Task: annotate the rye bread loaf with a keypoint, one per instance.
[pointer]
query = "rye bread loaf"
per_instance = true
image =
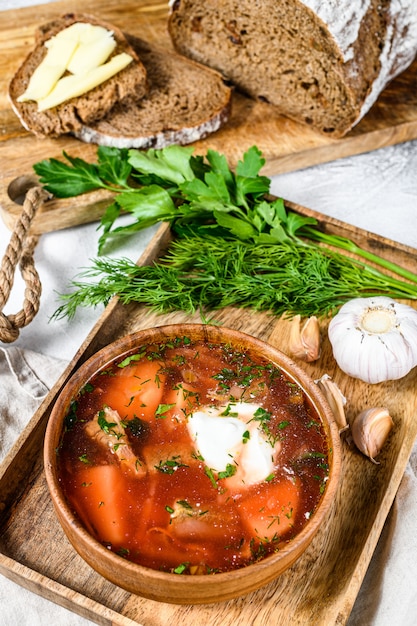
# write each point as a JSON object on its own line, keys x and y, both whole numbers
{"x": 321, "y": 63}
{"x": 130, "y": 84}
{"x": 185, "y": 102}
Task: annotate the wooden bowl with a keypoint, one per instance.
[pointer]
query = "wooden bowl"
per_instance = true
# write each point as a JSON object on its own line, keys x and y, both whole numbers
{"x": 166, "y": 586}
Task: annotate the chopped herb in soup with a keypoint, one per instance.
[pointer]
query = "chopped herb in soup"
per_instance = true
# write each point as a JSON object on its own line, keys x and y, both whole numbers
{"x": 193, "y": 458}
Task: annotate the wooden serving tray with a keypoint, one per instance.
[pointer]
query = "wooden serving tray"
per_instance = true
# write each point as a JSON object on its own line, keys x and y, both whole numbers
{"x": 285, "y": 145}
{"x": 319, "y": 590}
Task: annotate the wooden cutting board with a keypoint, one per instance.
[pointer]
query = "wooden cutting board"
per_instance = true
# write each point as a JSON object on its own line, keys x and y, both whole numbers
{"x": 286, "y": 145}
{"x": 319, "y": 589}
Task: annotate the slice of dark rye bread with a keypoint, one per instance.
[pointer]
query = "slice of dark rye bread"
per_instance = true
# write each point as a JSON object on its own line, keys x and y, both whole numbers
{"x": 321, "y": 63}
{"x": 129, "y": 85}
{"x": 185, "y": 102}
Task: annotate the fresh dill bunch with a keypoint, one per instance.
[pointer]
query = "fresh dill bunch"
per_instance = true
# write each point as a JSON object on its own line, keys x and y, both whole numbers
{"x": 209, "y": 273}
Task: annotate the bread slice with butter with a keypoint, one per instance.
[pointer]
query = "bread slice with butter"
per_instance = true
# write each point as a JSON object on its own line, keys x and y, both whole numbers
{"x": 186, "y": 102}
{"x": 79, "y": 69}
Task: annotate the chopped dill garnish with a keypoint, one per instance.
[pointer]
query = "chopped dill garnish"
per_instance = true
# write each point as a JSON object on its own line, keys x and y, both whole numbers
{"x": 169, "y": 466}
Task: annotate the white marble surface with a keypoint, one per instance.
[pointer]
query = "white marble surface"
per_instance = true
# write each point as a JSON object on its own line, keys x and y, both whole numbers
{"x": 375, "y": 191}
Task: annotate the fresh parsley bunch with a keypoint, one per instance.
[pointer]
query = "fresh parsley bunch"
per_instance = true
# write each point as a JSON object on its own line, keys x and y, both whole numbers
{"x": 173, "y": 185}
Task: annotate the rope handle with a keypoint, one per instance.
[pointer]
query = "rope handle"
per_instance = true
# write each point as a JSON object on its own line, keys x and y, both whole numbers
{"x": 20, "y": 251}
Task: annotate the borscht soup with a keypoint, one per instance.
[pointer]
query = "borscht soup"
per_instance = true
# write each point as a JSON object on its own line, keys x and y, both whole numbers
{"x": 193, "y": 457}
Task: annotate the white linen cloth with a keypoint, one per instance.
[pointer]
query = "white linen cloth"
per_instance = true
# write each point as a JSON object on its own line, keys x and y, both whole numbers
{"x": 375, "y": 191}
{"x": 26, "y": 378}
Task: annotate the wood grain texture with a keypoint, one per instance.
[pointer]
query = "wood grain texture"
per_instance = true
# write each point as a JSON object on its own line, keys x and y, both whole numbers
{"x": 319, "y": 590}
{"x": 285, "y": 144}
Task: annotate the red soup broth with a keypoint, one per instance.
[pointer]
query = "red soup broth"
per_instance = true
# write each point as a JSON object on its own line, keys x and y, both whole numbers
{"x": 134, "y": 474}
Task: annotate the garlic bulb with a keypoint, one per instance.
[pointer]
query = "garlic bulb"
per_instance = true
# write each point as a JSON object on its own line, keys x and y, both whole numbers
{"x": 335, "y": 399}
{"x": 374, "y": 339}
{"x": 370, "y": 429}
{"x": 304, "y": 341}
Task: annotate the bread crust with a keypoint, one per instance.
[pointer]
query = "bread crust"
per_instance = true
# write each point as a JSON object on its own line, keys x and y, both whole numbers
{"x": 320, "y": 64}
{"x": 130, "y": 84}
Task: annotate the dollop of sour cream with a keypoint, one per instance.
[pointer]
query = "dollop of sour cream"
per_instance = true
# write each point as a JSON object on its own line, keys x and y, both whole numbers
{"x": 230, "y": 435}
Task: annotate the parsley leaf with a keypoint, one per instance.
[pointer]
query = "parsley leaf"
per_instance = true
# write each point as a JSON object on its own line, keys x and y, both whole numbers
{"x": 171, "y": 163}
{"x": 228, "y": 472}
{"x": 148, "y": 205}
{"x": 211, "y": 192}
{"x": 219, "y": 165}
{"x": 251, "y": 165}
{"x": 113, "y": 165}
{"x": 238, "y": 228}
{"x": 162, "y": 409}
{"x": 131, "y": 358}
{"x": 66, "y": 180}
{"x": 107, "y": 427}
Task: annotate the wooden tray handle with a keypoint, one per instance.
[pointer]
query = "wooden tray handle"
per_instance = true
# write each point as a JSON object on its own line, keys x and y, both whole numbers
{"x": 20, "y": 251}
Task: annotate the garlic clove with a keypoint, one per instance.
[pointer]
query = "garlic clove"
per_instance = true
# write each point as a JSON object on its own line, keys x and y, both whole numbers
{"x": 304, "y": 341}
{"x": 335, "y": 399}
{"x": 370, "y": 430}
